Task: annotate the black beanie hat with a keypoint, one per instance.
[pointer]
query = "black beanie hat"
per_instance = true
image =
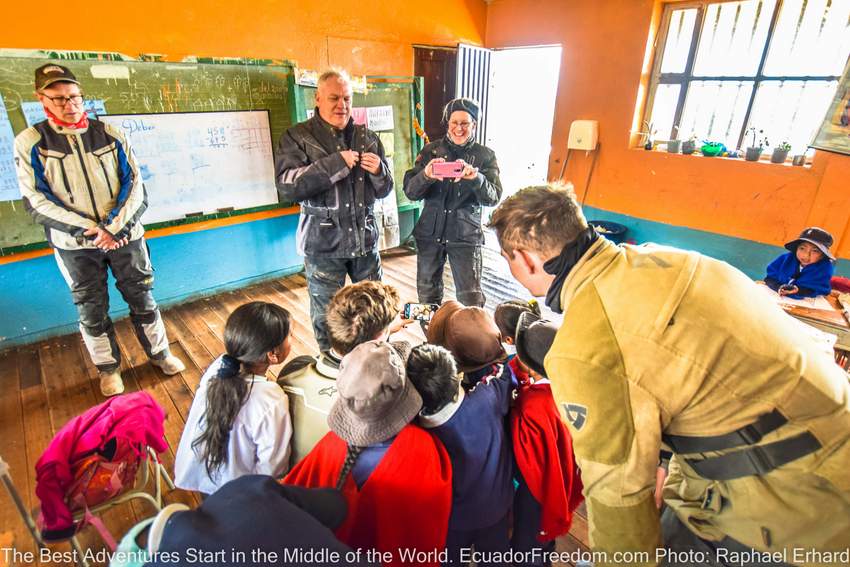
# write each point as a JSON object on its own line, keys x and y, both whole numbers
{"x": 464, "y": 104}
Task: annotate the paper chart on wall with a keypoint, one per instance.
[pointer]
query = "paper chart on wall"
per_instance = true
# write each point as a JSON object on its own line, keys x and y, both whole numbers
{"x": 9, "y": 190}
{"x": 380, "y": 118}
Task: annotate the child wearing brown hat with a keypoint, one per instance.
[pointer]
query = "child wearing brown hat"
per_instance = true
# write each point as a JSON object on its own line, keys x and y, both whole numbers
{"x": 549, "y": 481}
{"x": 472, "y": 427}
{"x": 806, "y": 269}
{"x": 395, "y": 476}
{"x": 472, "y": 337}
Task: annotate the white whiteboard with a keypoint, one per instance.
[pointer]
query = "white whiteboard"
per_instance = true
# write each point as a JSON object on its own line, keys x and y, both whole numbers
{"x": 200, "y": 162}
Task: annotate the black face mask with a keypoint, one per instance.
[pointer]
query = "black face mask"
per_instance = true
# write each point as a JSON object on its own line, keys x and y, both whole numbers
{"x": 560, "y": 265}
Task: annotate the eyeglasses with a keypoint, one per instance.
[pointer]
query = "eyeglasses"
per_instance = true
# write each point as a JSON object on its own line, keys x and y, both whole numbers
{"x": 61, "y": 101}
{"x": 463, "y": 125}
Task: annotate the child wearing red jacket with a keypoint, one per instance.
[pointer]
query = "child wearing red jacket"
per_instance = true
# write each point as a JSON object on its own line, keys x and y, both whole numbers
{"x": 395, "y": 476}
{"x": 549, "y": 480}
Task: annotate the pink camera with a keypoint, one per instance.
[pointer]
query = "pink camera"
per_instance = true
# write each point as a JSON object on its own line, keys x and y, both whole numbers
{"x": 447, "y": 169}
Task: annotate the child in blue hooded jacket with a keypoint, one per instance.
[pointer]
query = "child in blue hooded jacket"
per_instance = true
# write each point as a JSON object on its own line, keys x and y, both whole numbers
{"x": 806, "y": 269}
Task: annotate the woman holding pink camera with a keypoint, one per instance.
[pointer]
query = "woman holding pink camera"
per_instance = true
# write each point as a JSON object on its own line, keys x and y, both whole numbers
{"x": 455, "y": 176}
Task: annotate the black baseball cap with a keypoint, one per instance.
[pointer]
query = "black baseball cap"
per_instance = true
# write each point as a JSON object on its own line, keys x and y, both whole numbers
{"x": 534, "y": 337}
{"x": 51, "y": 73}
{"x": 813, "y": 235}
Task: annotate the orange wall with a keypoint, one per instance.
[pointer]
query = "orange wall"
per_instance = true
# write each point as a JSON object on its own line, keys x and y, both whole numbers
{"x": 368, "y": 37}
{"x": 604, "y": 66}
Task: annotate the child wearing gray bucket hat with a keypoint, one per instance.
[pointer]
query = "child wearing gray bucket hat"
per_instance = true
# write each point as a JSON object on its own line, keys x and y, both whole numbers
{"x": 378, "y": 458}
{"x": 376, "y": 400}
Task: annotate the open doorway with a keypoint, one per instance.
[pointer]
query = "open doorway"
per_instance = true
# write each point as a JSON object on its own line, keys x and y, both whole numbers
{"x": 516, "y": 88}
{"x": 520, "y": 113}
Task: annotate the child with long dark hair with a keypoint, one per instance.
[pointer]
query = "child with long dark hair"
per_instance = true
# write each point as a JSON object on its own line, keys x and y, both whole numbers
{"x": 239, "y": 422}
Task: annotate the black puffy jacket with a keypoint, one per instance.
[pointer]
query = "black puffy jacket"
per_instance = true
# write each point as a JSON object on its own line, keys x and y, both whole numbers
{"x": 452, "y": 211}
{"x": 337, "y": 213}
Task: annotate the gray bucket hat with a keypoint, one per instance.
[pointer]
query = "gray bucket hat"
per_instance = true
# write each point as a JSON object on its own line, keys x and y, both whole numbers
{"x": 376, "y": 400}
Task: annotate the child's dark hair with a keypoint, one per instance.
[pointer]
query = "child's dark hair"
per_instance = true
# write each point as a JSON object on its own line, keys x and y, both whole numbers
{"x": 252, "y": 330}
{"x": 507, "y": 315}
{"x": 351, "y": 454}
{"x": 432, "y": 371}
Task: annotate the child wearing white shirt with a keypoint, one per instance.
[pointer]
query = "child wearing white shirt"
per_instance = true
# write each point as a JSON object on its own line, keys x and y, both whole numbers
{"x": 239, "y": 421}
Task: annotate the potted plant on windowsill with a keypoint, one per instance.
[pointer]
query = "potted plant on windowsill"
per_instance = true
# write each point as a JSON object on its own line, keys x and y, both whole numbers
{"x": 754, "y": 151}
{"x": 648, "y": 135}
{"x": 674, "y": 145}
{"x": 780, "y": 153}
{"x": 689, "y": 146}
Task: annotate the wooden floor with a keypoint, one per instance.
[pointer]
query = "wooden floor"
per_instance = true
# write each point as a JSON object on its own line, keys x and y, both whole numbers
{"x": 47, "y": 383}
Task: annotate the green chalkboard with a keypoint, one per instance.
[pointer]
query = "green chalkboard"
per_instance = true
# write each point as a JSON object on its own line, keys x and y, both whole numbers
{"x": 142, "y": 87}
{"x": 403, "y": 94}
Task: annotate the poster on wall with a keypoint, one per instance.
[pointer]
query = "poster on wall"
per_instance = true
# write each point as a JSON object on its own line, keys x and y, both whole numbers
{"x": 834, "y": 133}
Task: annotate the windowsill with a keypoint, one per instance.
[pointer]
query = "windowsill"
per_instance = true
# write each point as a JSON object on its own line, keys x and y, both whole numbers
{"x": 763, "y": 161}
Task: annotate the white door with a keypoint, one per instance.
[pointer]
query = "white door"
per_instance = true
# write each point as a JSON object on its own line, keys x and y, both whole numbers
{"x": 516, "y": 89}
{"x": 521, "y": 110}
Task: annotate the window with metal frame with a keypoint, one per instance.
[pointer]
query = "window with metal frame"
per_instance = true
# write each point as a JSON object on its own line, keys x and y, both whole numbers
{"x": 741, "y": 72}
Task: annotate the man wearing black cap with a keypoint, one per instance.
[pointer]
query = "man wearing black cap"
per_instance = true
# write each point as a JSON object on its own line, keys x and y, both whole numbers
{"x": 450, "y": 224}
{"x": 79, "y": 179}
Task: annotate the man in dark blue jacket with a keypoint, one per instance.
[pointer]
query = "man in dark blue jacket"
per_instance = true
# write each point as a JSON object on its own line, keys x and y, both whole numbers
{"x": 336, "y": 170}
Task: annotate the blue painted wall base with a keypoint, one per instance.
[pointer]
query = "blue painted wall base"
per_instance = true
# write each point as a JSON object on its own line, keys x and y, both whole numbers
{"x": 750, "y": 257}
{"x": 35, "y": 302}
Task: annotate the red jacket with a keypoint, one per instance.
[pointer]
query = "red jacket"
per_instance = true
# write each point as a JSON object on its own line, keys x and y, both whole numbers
{"x": 543, "y": 450}
{"x": 403, "y": 505}
{"x": 134, "y": 417}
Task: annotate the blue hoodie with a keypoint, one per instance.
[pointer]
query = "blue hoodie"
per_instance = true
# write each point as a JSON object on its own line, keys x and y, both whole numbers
{"x": 811, "y": 281}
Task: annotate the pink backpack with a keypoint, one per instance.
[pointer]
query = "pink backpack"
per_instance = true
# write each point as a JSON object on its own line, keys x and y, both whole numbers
{"x": 101, "y": 476}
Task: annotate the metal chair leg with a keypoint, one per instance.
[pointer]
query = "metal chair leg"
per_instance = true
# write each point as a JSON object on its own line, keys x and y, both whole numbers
{"x": 168, "y": 482}
{"x": 78, "y": 550}
{"x": 25, "y": 515}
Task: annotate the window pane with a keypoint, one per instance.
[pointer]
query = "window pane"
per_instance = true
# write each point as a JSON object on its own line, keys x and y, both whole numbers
{"x": 663, "y": 110}
{"x": 791, "y": 111}
{"x": 678, "y": 44}
{"x": 812, "y": 38}
{"x": 714, "y": 110}
{"x": 733, "y": 37}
